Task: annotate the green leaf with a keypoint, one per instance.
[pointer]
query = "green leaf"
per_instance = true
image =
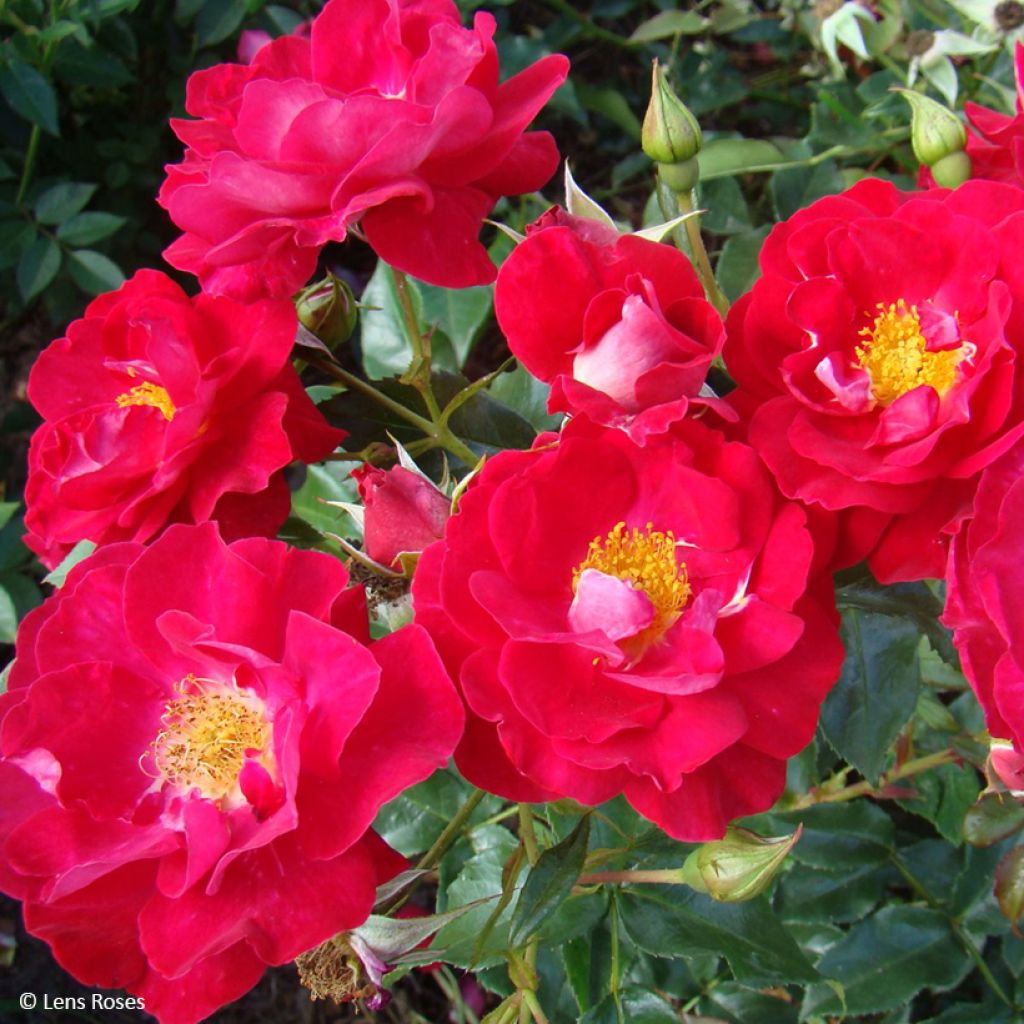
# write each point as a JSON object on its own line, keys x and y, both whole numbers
{"x": 528, "y": 396}
{"x": 738, "y": 267}
{"x": 385, "y": 342}
{"x": 7, "y": 510}
{"x": 8, "y": 617}
{"x": 831, "y": 896}
{"x": 797, "y": 187}
{"x": 37, "y": 267}
{"x": 20, "y": 596}
{"x": 1009, "y": 884}
{"x": 81, "y": 551}
{"x": 678, "y": 922}
{"x": 837, "y": 837}
{"x": 944, "y": 796}
{"x": 877, "y": 690}
{"x": 93, "y": 272}
{"x": 411, "y": 822}
{"x": 94, "y": 65}
{"x": 668, "y": 24}
{"x": 722, "y": 158}
{"x": 29, "y": 94}
{"x": 612, "y": 104}
{"x": 86, "y": 228}
{"x": 4, "y": 675}
{"x": 549, "y": 882}
{"x": 734, "y": 1003}
{"x": 59, "y": 203}
{"x": 459, "y": 312}
{"x": 635, "y": 1005}
{"x": 217, "y": 20}
{"x": 331, "y": 482}
{"x": 992, "y": 819}
{"x": 15, "y": 238}
{"x": 884, "y": 961}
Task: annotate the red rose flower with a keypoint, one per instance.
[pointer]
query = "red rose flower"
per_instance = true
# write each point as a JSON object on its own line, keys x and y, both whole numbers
{"x": 877, "y": 360}
{"x": 636, "y": 620}
{"x": 985, "y": 602}
{"x": 159, "y": 408}
{"x": 619, "y": 325}
{"x": 403, "y": 512}
{"x": 389, "y": 115}
{"x": 194, "y": 745}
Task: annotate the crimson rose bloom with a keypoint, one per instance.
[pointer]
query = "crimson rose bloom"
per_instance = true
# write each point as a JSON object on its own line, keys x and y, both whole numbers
{"x": 195, "y": 742}
{"x": 877, "y": 360}
{"x": 985, "y": 604}
{"x": 618, "y": 325}
{"x": 389, "y": 115}
{"x": 159, "y": 408}
{"x": 636, "y": 620}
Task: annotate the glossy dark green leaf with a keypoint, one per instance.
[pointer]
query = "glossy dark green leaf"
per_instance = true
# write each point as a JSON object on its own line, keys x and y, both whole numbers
{"x": 587, "y": 961}
{"x": 459, "y": 312}
{"x": 37, "y": 267}
{"x": 93, "y": 65}
{"x": 29, "y": 94}
{"x": 839, "y": 836}
{"x": 886, "y": 960}
{"x": 992, "y": 818}
{"x": 806, "y": 894}
{"x": 635, "y": 1005}
{"x": 217, "y": 20}
{"x": 86, "y": 228}
{"x": 943, "y": 796}
{"x": 63, "y": 201}
{"x": 93, "y": 272}
{"x": 670, "y": 921}
{"x": 549, "y": 882}
{"x": 738, "y": 266}
{"x": 738, "y": 1005}
{"x": 522, "y": 391}
{"x": 412, "y": 821}
{"x": 877, "y": 690}
{"x": 668, "y": 24}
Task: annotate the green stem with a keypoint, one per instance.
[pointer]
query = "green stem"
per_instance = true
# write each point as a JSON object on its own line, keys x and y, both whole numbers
{"x": 451, "y": 832}
{"x": 660, "y": 876}
{"x": 530, "y": 998}
{"x": 350, "y": 380}
{"x": 905, "y": 771}
{"x": 955, "y": 926}
{"x": 700, "y": 254}
{"x": 589, "y": 28}
{"x": 526, "y": 833}
{"x": 36, "y": 133}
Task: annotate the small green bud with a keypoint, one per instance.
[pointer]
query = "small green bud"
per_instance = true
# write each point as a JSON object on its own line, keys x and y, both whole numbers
{"x": 952, "y": 171}
{"x": 328, "y": 310}
{"x": 671, "y": 134}
{"x": 935, "y": 131}
{"x": 738, "y": 867}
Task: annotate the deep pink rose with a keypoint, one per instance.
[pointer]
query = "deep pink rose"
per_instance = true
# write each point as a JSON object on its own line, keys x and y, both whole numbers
{"x": 617, "y": 324}
{"x": 159, "y": 408}
{"x": 195, "y": 742}
{"x": 404, "y": 512}
{"x": 985, "y": 601}
{"x": 390, "y": 116}
{"x": 637, "y": 620}
{"x": 877, "y": 360}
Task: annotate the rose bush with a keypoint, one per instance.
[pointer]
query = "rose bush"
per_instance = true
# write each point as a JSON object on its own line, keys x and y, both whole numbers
{"x": 390, "y": 116}
{"x": 618, "y": 325}
{"x": 877, "y": 361}
{"x": 159, "y": 408}
{"x": 180, "y": 722}
{"x": 663, "y": 638}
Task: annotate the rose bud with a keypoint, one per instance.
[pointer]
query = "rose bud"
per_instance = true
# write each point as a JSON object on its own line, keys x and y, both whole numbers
{"x": 671, "y": 136}
{"x": 938, "y": 138}
{"x": 405, "y": 512}
{"x": 738, "y": 867}
{"x": 327, "y": 309}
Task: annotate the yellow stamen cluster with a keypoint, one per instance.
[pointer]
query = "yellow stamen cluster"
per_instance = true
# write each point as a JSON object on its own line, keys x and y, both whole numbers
{"x": 896, "y": 356}
{"x": 148, "y": 393}
{"x": 205, "y": 738}
{"x": 647, "y": 560}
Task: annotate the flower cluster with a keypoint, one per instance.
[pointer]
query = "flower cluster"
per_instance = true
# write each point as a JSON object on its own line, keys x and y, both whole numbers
{"x": 641, "y": 604}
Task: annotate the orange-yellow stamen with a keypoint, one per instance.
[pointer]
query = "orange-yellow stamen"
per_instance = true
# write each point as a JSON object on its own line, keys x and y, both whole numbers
{"x": 646, "y": 559}
{"x": 148, "y": 393}
{"x": 207, "y": 732}
{"x": 896, "y": 356}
